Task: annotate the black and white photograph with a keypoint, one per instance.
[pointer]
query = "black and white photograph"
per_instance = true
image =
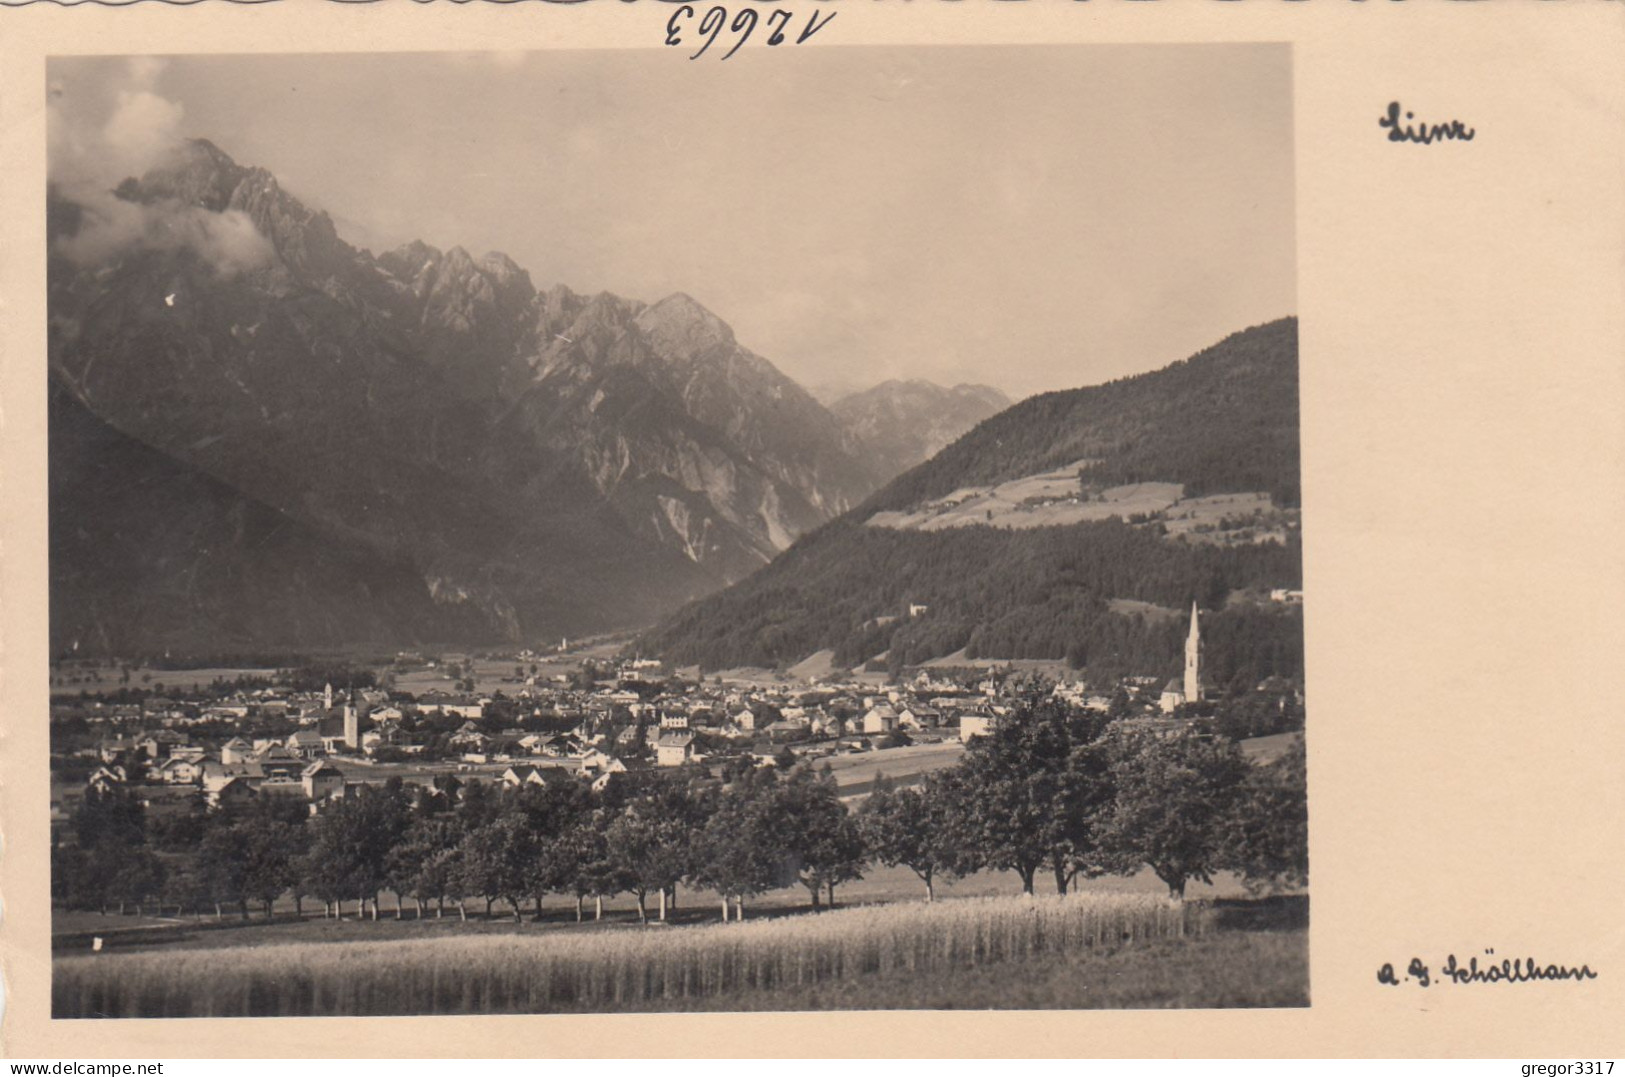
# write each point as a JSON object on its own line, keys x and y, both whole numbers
{"x": 585, "y": 531}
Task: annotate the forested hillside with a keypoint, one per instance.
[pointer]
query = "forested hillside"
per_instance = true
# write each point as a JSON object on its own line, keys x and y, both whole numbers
{"x": 1223, "y": 421}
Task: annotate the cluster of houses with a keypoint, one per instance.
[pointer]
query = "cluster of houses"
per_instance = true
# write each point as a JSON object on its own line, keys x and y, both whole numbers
{"x": 337, "y": 742}
{"x": 329, "y": 744}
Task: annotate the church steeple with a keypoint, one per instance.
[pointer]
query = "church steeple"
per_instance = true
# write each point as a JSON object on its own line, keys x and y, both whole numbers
{"x": 1193, "y": 659}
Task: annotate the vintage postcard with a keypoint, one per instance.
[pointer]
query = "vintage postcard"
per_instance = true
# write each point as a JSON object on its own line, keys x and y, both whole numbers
{"x": 746, "y": 521}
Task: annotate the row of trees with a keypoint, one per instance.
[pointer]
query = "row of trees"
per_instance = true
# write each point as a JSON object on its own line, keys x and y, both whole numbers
{"x": 1068, "y": 793}
{"x": 1052, "y": 791}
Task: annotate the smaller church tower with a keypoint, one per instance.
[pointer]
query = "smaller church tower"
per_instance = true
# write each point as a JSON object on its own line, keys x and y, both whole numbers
{"x": 327, "y": 697}
{"x": 1193, "y": 659}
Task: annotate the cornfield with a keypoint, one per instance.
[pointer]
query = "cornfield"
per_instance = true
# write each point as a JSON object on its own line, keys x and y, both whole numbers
{"x": 618, "y": 969}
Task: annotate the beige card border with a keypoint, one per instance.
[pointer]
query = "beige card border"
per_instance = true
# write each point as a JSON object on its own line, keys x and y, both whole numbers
{"x": 1463, "y": 353}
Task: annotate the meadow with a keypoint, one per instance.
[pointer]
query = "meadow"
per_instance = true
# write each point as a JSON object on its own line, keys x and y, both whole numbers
{"x": 1081, "y": 950}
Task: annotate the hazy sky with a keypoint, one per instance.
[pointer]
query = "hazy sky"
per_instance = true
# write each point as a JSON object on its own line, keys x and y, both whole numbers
{"x": 1032, "y": 218}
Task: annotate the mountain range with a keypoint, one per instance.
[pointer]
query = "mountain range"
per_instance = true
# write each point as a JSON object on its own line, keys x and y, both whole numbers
{"x": 263, "y": 437}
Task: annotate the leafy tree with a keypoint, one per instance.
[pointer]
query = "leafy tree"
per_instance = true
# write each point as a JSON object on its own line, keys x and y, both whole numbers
{"x": 498, "y": 861}
{"x": 183, "y": 830}
{"x": 109, "y": 817}
{"x": 1173, "y": 799}
{"x": 649, "y": 851}
{"x": 113, "y": 863}
{"x": 351, "y": 843}
{"x": 221, "y": 868}
{"x": 1031, "y": 792}
{"x": 914, "y": 827}
{"x": 1267, "y": 834}
{"x": 743, "y": 848}
{"x": 594, "y": 872}
{"x": 270, "y": 854}
{"x": 419, "y": 865}
{"x": 133, "y": 874}
{"x": 823, "y": 837}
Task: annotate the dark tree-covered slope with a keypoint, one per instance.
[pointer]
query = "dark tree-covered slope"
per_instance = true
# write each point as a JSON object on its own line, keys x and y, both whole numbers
{"x": 146, "y": 551}
{"x": 1224, "y": 421}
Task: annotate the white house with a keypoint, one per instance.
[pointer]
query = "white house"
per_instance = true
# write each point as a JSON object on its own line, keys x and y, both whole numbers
{"x": 235, "y": 750}
{"x": 596, "y": 761}
{"x": 178, "y": 770}
{"x": 974, "y": 725}
{"x": 674, "y": 749}
{"x": 880, "y": 719}
{"x": 322, "y": 780}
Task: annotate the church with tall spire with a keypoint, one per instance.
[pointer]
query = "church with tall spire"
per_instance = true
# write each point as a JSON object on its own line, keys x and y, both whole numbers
{"x": 1187, "y": 689}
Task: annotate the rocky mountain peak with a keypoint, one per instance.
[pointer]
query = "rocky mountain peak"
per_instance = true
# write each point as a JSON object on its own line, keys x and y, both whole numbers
{"x": 195, "y": 172}
{"x": 305, "y": 238}
{"x": 408, "y": 260}
{"x": 681, "y": 329}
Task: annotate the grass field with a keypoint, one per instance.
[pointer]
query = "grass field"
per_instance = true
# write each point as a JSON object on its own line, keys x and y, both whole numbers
{"x": 1213, "y": 971}
{"x": 856, "y": 772}
{"x": 1083, "y": 950}
{"x": 109, "y": 678}
{"x": 73, "y": 932}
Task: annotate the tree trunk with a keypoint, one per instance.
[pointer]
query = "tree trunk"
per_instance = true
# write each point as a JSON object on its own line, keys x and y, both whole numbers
{"x": 578, "y": 908}
{"x": 488, "y": 903}
{"x": 219, "y": 913}
{"x": 673, "y": 889}
{"x": 598, "y": 906}
{"x": 739, "y": 908}
{"x": 831, "y": 886}
{"x": 930, "y": 890}
{"x": 242, "y": 907}
{"x": 812, "y": 888}
{"x": 440, "y": 907}
{"x": 725, "y": 909}
{"x": 662, "y": 904}
{"x": 1027, "y": 874}
{"x": 1061, "y": 876}
{"x": 643, "y": 913}
{"x": 462, "y": 909}
{"x": 269, "y": 915}
{"x": 298, "y": 906}
{"x": 515, "y": 902}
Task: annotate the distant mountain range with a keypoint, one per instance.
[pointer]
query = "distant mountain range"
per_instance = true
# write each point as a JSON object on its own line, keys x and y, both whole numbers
{"x": 1074, "y": 525}
{"x": 263, "y": 437}
{"x": 907, "y": 422}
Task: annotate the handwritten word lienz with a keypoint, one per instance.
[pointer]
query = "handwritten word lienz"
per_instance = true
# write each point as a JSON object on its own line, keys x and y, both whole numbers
{"x": 1422, "y": 132}
{"x": 743, "y": 25}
